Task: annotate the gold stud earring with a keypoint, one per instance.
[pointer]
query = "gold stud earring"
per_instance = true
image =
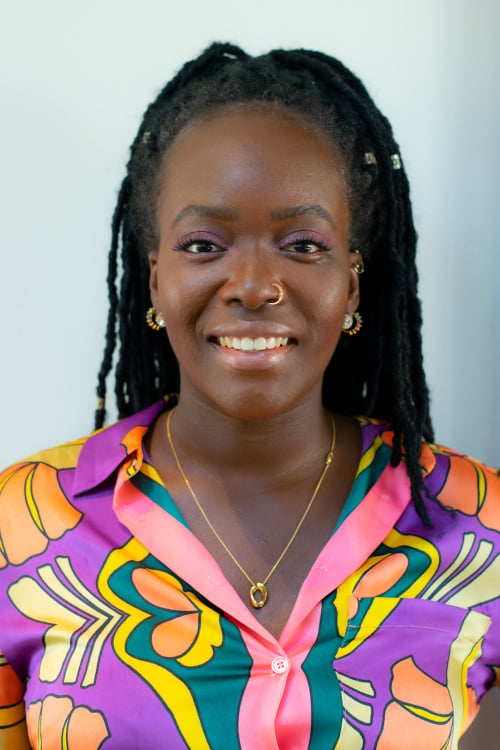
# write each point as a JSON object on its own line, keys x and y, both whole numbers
{"x": 358, "y": 267}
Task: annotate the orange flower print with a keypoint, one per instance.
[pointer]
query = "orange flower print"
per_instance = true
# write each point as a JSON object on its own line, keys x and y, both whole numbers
{"x": 384, "y": 573}
{"x": 179, "y": 637}
{"x": 56, "y": 724}
{"x": 12, "y": 717}
{"x": 421, "y": 712}
{"x": 470, "y": 488}
{"x": 31, "y": 499}
{"x": 183, "y": 631}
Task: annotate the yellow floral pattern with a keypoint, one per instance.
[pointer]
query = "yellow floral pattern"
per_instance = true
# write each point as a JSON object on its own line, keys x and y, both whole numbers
{"x": 189, "y": 644}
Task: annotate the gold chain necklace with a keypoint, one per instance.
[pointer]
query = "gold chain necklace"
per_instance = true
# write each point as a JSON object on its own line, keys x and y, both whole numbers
{"x": 259, "y": 588}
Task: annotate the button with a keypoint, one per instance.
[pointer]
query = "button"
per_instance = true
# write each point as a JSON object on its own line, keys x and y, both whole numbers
{"x": 280, "y": 665}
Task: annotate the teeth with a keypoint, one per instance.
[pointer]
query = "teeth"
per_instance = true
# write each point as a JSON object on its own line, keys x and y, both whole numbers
{"x": 247, "y": 344}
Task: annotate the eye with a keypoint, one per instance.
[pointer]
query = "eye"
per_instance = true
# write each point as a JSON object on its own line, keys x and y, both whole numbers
{"x": 304, "y": 246}
{"x": 197, "y": 246}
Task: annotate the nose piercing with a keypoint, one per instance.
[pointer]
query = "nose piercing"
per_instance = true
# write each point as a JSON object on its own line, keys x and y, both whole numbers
{"x": 281, "y": 294}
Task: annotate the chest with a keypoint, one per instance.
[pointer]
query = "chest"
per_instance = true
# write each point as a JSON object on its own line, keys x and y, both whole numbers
{"x": 264, "y": 548}
{"x": 169, "y": 670}
{"x": 122, "y": 652}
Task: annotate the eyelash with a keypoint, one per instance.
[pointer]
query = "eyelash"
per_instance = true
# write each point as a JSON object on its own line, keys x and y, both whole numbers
{"x": 317, "y": 244}
{"x": 185, "y": 245}
{"x": 210, "y": 247}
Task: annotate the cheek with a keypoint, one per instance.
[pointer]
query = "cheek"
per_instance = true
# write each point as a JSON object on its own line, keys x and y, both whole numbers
{"x": 330, "y": 304}
{"x": 183, "y": 306}
{"x": 176, "y": 289}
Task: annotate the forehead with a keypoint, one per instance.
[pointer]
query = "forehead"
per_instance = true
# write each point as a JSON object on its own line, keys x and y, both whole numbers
{"x": 264, "y": 134}
{"x": 250, "y": 165}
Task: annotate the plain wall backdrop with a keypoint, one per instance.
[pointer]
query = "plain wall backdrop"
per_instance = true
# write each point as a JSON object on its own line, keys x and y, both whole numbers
{"x": 75, "y": 78}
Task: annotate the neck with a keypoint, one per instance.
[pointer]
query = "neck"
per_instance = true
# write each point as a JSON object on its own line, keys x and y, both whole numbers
{"x": 277, "y": 445}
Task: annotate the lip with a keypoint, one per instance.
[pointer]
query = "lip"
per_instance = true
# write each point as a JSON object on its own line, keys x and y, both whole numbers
{"x": 252, "y": 360}
{"x": 263, "y": 360}
{"x": 256, "y": 359}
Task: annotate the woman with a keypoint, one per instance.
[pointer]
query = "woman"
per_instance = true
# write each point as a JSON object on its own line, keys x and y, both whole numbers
{"x": 250, "y": 564}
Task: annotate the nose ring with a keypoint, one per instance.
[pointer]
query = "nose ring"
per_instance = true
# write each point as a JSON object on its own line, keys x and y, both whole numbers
{"x": 281, "y": 294}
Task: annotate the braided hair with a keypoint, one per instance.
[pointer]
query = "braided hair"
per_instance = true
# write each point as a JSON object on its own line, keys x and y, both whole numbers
{"x": 378, "y": 373}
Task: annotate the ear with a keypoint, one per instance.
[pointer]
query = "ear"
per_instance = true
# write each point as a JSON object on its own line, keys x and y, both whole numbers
{"x": 153, "y": 276}
{"x": 354, "y": 295}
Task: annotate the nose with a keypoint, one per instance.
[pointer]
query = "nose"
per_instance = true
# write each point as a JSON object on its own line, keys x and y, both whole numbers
{"x": 252, "y": 280}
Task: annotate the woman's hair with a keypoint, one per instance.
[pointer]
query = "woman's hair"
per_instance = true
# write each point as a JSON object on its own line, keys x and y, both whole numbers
{"x": 378, "y": 373}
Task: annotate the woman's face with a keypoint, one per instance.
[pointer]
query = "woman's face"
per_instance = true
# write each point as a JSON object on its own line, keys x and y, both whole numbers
{"x": 252, "y": 197}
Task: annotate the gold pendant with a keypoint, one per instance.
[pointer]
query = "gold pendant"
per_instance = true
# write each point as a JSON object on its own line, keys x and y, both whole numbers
{"x": 261, "y": 588}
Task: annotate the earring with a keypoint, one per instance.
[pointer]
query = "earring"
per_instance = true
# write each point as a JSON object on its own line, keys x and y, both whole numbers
{"x": 350, "y": 327}
{"x": 155, "y": 319}
{"x": 281, "y": 294}
{"x": 358, "y": 267}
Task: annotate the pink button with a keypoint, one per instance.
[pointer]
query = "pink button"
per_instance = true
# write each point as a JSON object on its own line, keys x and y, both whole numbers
{"x": 280, "y": 665}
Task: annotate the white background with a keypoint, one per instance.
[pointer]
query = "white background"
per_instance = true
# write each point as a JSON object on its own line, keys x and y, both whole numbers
{"x": 75, "y": 78}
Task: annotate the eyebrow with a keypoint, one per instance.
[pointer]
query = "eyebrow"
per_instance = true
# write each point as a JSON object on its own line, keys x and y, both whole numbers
{"x": 208, "y": 212}
{"x": 224, "y": 214}
{"x": 314, "y": 209}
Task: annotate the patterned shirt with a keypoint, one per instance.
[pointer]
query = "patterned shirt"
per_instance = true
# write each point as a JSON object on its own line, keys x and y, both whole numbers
{"x": 118, "y": 629}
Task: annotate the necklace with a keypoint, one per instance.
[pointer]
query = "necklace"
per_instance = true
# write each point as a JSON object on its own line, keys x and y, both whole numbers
{"x": 258, "y": 591}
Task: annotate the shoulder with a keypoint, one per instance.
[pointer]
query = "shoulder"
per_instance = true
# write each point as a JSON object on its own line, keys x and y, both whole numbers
{"x": 22, "y": 479}
{"x": 462, "y": 483}
{"x": 459, "y": 482}
{"x": 63, "y": 456}
{"x": 102, "y": 443}
{"x": 35, "y": 502}
{"x": 40, "y": 496}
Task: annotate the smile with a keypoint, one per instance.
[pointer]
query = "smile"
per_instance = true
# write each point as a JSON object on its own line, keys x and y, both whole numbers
{"x": 248, "y": 344}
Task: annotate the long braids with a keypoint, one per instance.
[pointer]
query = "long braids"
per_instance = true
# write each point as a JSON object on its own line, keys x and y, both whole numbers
{"x": 408, "y": 394}
{"x": 378, "y": 373}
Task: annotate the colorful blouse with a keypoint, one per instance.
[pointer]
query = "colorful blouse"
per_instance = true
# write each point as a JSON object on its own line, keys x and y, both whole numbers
{"x": 118, "y": 629}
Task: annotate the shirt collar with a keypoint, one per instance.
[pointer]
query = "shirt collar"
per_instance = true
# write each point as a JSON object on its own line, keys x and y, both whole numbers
{"x": 105, "y": 450}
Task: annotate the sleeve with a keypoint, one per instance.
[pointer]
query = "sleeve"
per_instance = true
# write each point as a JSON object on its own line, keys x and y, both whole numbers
{"x": 13, "y": 732}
